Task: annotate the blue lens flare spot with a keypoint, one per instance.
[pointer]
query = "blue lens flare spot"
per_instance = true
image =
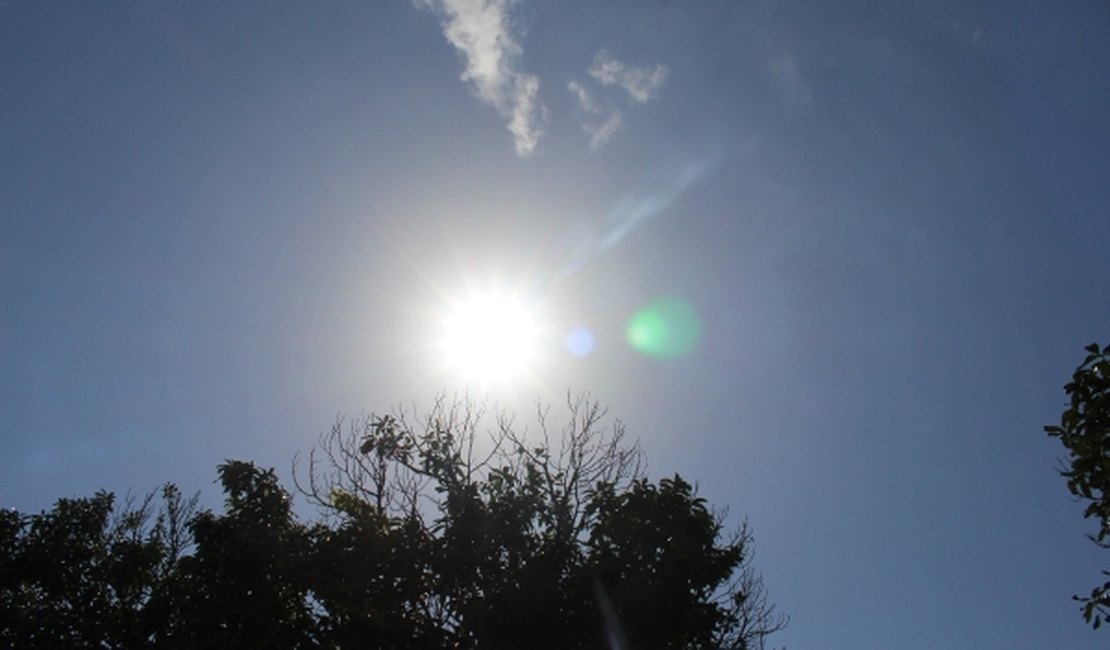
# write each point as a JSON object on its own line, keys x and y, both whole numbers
{"x": 580, "y": 341}
{"x": 666, "y": 328}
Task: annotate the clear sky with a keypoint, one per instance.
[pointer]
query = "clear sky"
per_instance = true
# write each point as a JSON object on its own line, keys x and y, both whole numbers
{"x": 876, "y": 230}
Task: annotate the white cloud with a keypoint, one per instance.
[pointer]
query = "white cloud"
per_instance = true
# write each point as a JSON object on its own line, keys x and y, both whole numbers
{"x": 528, "y": 114}
{"x": 600, "y": 120}
{"x": 639, "y": 83}
{"x": 585, "y": 99}
{"x": 601, "y": 131}
{"x": 600, "y": 123}
{"x": 482, "y": 31}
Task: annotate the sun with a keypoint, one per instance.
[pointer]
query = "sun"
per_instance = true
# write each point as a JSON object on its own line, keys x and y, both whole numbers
{"x": 490, "y": 336}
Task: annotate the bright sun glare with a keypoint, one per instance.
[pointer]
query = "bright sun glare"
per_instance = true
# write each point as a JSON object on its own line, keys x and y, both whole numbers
{"x": 490, "y": 337}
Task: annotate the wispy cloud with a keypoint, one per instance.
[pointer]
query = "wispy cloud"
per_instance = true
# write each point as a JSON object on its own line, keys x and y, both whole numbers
{"x": 585, "y": 99}
{"x": 639, "y": 83}
{"x": 482, "y": 31}
{"x": 600, "y": 122}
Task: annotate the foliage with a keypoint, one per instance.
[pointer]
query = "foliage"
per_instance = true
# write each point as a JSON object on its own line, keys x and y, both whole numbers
{"x": 430, "y": 536}
{"x": 87, "y": 575}
{"x": 244, "y": 585}
{"x": 1084, "y": 430}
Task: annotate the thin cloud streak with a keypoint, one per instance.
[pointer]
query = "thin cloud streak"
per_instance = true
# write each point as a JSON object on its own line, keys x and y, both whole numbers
{"x": 585, "y": 99}
{"x": 482, "y": 31}
{"x": 640, "y": 83}
{"x": 600, "y": 120}
{"x": 601, "y": 123}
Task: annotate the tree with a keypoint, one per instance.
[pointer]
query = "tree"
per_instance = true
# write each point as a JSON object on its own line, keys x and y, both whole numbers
{"x": 429, "y": 536}
{"x": 1084, "y": 430}
{"x": 88, "y": 575}
{"x": 244, "y": 585}
{"x": 531, "y": 542}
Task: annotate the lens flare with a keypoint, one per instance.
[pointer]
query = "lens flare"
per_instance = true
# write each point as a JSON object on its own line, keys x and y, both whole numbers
{"x": 666, "y": 328}
{"x": 580, "y": 341}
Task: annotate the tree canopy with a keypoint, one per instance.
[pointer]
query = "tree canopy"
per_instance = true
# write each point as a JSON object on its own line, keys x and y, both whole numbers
{"x": 440, "y": 535}
{"x": 1084, "y": 430}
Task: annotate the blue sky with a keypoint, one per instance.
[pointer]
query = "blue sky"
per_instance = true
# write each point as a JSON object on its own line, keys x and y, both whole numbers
{"x": 221, "y": 224}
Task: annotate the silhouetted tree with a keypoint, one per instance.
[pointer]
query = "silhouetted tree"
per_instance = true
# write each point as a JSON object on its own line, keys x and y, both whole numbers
{"x": 245, "y": 584}
{"x": 86, "y": 576}
{"x": 1084, "y": 430}
{"x": 430, "y": 536}
{"x": 539, "y": 543}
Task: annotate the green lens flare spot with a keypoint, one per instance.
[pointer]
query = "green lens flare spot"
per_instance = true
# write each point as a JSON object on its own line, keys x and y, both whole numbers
{"x": 666, "y": 328}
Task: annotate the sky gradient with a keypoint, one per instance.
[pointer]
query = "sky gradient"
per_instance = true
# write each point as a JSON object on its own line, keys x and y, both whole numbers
{"x": 881, "y": 228}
